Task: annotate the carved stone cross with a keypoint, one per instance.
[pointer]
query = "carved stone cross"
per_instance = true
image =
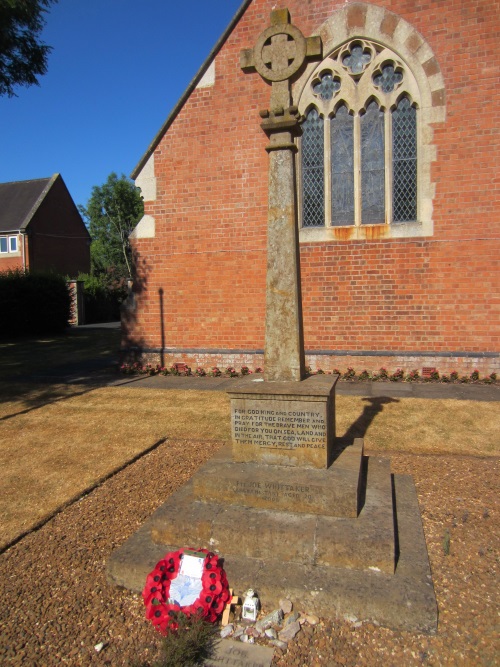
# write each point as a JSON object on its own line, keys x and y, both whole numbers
{"x": 279, "y": 53}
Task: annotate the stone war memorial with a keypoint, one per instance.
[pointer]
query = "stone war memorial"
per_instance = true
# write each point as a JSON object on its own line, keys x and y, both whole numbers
{"x": 292, "y": 513}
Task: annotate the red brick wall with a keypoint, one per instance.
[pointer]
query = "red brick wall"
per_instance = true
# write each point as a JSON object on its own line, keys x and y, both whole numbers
{"x": 8, "y": 263}
{"x": 435, "y": 294}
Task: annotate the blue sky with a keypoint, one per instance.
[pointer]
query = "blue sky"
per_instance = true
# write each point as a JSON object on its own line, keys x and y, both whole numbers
{"x": 116, "y": 70}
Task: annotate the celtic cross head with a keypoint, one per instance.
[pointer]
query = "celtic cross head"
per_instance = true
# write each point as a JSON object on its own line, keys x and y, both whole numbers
{"x": 279, "y": 53}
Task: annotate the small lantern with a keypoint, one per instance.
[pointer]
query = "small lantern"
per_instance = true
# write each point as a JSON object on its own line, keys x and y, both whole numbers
{"x": 250, "y": 606}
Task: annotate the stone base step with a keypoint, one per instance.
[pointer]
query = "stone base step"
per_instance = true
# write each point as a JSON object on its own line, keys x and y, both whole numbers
{"x": 365, "y": 542}
{"x": 335, "y": 491}
{"x": 403, "y": 600}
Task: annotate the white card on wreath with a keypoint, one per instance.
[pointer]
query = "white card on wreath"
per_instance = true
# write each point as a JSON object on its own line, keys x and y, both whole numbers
{"x": 191, "y": 566}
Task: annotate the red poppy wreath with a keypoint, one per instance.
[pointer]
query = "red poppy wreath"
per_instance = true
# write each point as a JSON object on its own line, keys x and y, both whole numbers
{"x": 167, "y": 587}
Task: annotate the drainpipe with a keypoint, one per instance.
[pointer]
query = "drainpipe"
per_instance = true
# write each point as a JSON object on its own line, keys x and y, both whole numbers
{"x": 23, "y": 237}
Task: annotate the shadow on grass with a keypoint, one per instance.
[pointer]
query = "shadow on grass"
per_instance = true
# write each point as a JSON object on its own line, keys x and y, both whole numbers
{"x": 35, "y": 396}
{"x": 36, "y": 372}
{"x": 53, "y": 355}
{"x": 359, "y": 428}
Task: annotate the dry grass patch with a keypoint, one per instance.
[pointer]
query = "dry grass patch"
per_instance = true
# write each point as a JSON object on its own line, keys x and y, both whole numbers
{"x": 53, "y": 451}
{"x": 421, "y": 426}
{"x": 59, "y": 440}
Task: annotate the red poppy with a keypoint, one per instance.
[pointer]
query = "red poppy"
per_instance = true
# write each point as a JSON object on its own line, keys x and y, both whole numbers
{"x": 209, "y": 605}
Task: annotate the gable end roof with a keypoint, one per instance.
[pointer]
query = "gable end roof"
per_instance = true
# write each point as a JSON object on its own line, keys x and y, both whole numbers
{"x": 192, "y": 85}
{"x": 20, "y": 200}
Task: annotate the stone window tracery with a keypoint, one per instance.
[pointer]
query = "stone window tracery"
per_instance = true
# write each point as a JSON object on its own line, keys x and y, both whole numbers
{"x": 358, "y": 153}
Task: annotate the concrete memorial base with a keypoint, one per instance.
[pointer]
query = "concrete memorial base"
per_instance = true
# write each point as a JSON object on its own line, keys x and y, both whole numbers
{"x": 347, "y": 540}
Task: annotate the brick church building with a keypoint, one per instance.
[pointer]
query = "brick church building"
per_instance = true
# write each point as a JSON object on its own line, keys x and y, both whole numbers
{"x": 397, "y": 195}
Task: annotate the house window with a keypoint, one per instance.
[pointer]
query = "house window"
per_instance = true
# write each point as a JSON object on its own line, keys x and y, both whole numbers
{"x": 8, "y": 244}
{"x": 358, "y": 157}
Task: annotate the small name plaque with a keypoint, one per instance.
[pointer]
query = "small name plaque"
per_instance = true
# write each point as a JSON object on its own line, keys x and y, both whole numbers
{"x": 275, "y": 491}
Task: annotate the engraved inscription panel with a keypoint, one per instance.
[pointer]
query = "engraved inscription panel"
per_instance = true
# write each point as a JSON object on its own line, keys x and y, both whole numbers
{"x": 285, "y": 428}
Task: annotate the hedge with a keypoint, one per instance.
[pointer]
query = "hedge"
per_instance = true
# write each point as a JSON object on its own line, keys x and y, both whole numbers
{"x": 103, "y": 297}
{"x": 33, "y": 303}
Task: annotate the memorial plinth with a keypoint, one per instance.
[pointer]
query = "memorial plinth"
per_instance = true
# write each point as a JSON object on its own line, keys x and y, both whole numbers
{"x": 333, "y": 547}
{"x": 285, "y": 423}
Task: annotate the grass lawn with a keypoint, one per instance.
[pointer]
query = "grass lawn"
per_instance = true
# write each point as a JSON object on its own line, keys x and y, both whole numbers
{"x": 58, "y": 440}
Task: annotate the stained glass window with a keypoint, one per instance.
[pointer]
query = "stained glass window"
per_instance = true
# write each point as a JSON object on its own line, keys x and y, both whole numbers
{"x": 404, "y": 165}
{"x": 388, "y": 79}
{"x": 359, "y": 157}
{"x": 372, "y": 166}
{"x": 313, "y": 181}
{"x": 357, "y": 59}
{"x": 342, "y": 152}
{"x": 327, "y": 86}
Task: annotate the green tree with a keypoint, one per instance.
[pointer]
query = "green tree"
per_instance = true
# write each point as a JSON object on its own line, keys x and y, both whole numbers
{"x": 112, "y": 212}
{"x": 23, "y": 58}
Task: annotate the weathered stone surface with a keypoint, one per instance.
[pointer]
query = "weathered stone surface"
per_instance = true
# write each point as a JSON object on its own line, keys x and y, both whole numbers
{"x": 293, "y": 536}
{"x": 284, "y": 346}
{"x": 404, "y": 600}
{"x": 274, "y": 618}
{"x": 235, "y": 654}
{"x": 286, "y": 606}
{"x": 289, "y": 631}
{"x": 331, "y": 492}
{"x": 264, "y": 534}
{"x": 368, "y": 542}
{"x": 292, "y": 618}
{"x": 285, "y": 423}
{"x": 279, "y": 53}
{"x": 170, "y": 520}
{"x": 225, "y": 632}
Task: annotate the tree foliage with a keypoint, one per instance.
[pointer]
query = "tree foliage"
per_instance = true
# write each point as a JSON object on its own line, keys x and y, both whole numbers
{"x": 112, "y": 212}
{"x": 23, "y": 58}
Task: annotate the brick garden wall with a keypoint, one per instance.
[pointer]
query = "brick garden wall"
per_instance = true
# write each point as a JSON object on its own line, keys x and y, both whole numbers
{"x": 433, "y": 296}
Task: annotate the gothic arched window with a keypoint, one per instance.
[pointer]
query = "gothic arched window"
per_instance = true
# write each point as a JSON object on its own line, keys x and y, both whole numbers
{"x": 358, "y": 151}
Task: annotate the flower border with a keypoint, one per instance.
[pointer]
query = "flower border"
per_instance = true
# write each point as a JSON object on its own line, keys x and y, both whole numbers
{"x": 350, "y": 375}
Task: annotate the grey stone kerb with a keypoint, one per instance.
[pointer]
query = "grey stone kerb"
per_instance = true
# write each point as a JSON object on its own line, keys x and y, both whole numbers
{"x": 280, "y": 53}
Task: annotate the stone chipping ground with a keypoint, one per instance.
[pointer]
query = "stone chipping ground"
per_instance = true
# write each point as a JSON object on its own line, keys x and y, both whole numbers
{"x": 56, "y": 605}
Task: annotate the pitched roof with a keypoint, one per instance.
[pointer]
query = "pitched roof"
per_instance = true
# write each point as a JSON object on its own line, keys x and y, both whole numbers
{"x": 192, "y": 85}
{"x": 19, "y": 200}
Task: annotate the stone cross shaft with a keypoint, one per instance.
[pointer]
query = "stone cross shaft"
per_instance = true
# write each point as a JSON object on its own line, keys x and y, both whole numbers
{"x": 279, "y": 53}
